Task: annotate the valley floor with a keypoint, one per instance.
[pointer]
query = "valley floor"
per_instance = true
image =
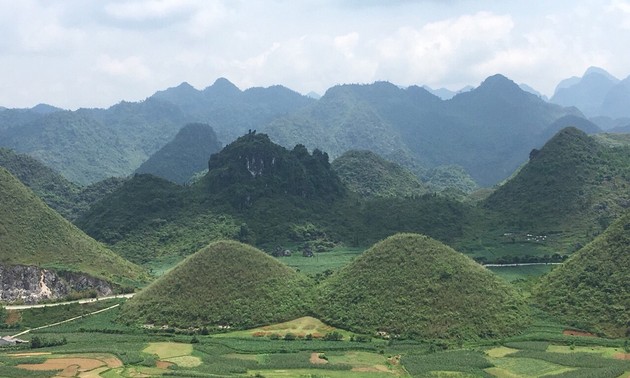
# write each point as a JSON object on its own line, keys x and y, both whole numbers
{"x": 99, "y": 345}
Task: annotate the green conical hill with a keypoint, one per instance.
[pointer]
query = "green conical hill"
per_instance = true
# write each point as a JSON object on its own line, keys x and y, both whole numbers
{"x": 575, "y": 183}
{"x": 226, "y": 283}
{"x": 33, "y": 234}
{"x": 591, "y": 290}
{"x": 417, "y": 287}
{"x": 369, "y": 175}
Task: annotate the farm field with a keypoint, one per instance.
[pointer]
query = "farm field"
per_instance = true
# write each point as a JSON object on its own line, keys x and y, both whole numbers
{"x": 102, "y": 346}
{"x": 322, "y": 261}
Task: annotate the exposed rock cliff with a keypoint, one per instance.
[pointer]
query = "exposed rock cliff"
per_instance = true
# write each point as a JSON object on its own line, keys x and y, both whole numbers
{"x": 32, "y": 284}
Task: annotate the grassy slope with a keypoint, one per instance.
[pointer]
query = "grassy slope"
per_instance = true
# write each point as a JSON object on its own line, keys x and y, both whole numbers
{"x": 591, "y": 289}
{"x": 415, "y": 286}
{"x": 224, "y": 283}
{"x": 574, "y": 186}
{"x": 49, "y": 185}
{"x": 369, "y": 175}
{"x": 33, "y": 234}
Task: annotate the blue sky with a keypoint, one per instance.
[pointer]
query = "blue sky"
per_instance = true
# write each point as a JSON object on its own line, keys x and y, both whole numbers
{"x": 84, "y": 53}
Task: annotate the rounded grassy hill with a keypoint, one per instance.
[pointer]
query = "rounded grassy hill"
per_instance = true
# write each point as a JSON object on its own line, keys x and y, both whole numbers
{"x": 591, "y": 290}
{"x": 31, "y": 233}
{"x": 225, "y": 283}
{"x": 413, "y": 286}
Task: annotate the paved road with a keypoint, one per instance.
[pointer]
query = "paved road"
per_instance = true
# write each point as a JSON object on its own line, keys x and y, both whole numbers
{"x": 520, "y": 264}
{"x": 88, "y": 300}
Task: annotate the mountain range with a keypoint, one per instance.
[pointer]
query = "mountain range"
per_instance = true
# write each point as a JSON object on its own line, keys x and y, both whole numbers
{"x": 596, "y": 93}
{"x": 488, "y": 130}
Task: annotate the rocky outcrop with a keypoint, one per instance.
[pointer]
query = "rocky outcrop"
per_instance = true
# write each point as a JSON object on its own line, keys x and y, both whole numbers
{"x": 31, "y": 284}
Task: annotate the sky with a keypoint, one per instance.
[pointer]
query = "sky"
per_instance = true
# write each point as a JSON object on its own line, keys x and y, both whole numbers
{"x": 89, "y": 53}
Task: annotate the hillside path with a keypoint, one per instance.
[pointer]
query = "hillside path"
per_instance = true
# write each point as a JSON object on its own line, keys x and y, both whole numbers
{"x": 65, "y": 321}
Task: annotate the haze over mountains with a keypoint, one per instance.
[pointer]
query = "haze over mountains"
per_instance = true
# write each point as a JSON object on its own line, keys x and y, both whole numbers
{"x": 596, "y": 93}
{"x": 487, "y": 130}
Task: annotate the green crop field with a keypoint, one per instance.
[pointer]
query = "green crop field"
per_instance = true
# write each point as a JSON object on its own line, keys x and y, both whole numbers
{"x": 322, "y": 261}
{"x": 101, "y": 346}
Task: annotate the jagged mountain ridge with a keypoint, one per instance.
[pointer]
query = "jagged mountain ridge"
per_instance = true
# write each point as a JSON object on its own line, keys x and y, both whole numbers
{"x": 488, "y": 130}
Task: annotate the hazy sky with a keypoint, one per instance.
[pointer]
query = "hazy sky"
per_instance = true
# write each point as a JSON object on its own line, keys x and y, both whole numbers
{"x": 84, "y": 53}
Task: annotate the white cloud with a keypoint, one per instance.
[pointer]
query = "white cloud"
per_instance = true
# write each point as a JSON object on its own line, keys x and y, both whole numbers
{"x": 131, "y": 48}
{"x": 435, "y": 52}
{"x": 131, "y": 67}
{"x": 148, "y": 9}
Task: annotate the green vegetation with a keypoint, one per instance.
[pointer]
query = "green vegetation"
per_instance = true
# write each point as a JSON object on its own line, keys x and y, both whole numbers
{"x": 89, "y": 145}
{"x": 591, "y": 289}
{"x": 573, "y": 185}
{"x": 185, "y": 155}
{"x": 416, "y": 287}
{"x": 259, "y": 192}
{"x": 65, "y": 197}
{"x": 224, "y": 284}
{"x": 101, "y": 340}
{"x": 33, "y": 234}
{"x": 369, "y": 175}
{"x": 452, "y": 177}
{"x": 488, "y": 131}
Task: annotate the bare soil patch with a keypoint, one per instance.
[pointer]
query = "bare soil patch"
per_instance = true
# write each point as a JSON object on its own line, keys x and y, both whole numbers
{"x": 622, "y": 356}
{"x": 316, "y": 360}
{"x": 69, "y": 371}
{"x": 82, "y": 364}
{"x": 572, "y": 332}
{"x": 13, "y": 317}
{"x": 163, "y": 364}
{"x": 112, "y": 362}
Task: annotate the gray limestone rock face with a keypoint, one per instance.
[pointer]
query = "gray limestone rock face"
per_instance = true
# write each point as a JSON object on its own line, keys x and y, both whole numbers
{"x": 31, "y": 284}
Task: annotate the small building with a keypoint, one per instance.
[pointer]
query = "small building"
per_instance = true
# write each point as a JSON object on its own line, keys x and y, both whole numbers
{"x": 9, "y": 341}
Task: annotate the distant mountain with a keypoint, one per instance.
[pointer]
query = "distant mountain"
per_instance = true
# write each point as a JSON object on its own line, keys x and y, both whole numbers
{"x": 599, "y": 272}
{"x": 531, "y": 90}
{"x": 45, "y": 109}
{"x": 33, "y": 234}
{"x": 446, "y": 177}
{"x": 224, "y": 284}
{"x": 571, "y": 120}
{"x": 489, "y": 130}
{"x": 233, "y": 112}
{"x": 65, "y": 197}
{"x": 370, "y": 175}
{"x": 50, "y": 186}
{"x": 607, "y": 123}
{"x": 587, "y": 93}
{"x": 185, "y": 155}
{"x": 616, "y": 104}
{"x": 314, "y": 95}
{"x": 433, "y": 286}
{"x": 89, "y": 145}
{"x": 574, "y": 186}
{"x": 443, "y": 93}
{"x": 621, "y": 129}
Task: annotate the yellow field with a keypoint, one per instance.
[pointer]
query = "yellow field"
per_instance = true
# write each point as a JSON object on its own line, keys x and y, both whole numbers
{"x": 177, "y": 353}
{"x": 167, "y": 350}
{"x": 299, "y": 327}
{"x": 603, "y": 351}
{"x": 500, "y": 352}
